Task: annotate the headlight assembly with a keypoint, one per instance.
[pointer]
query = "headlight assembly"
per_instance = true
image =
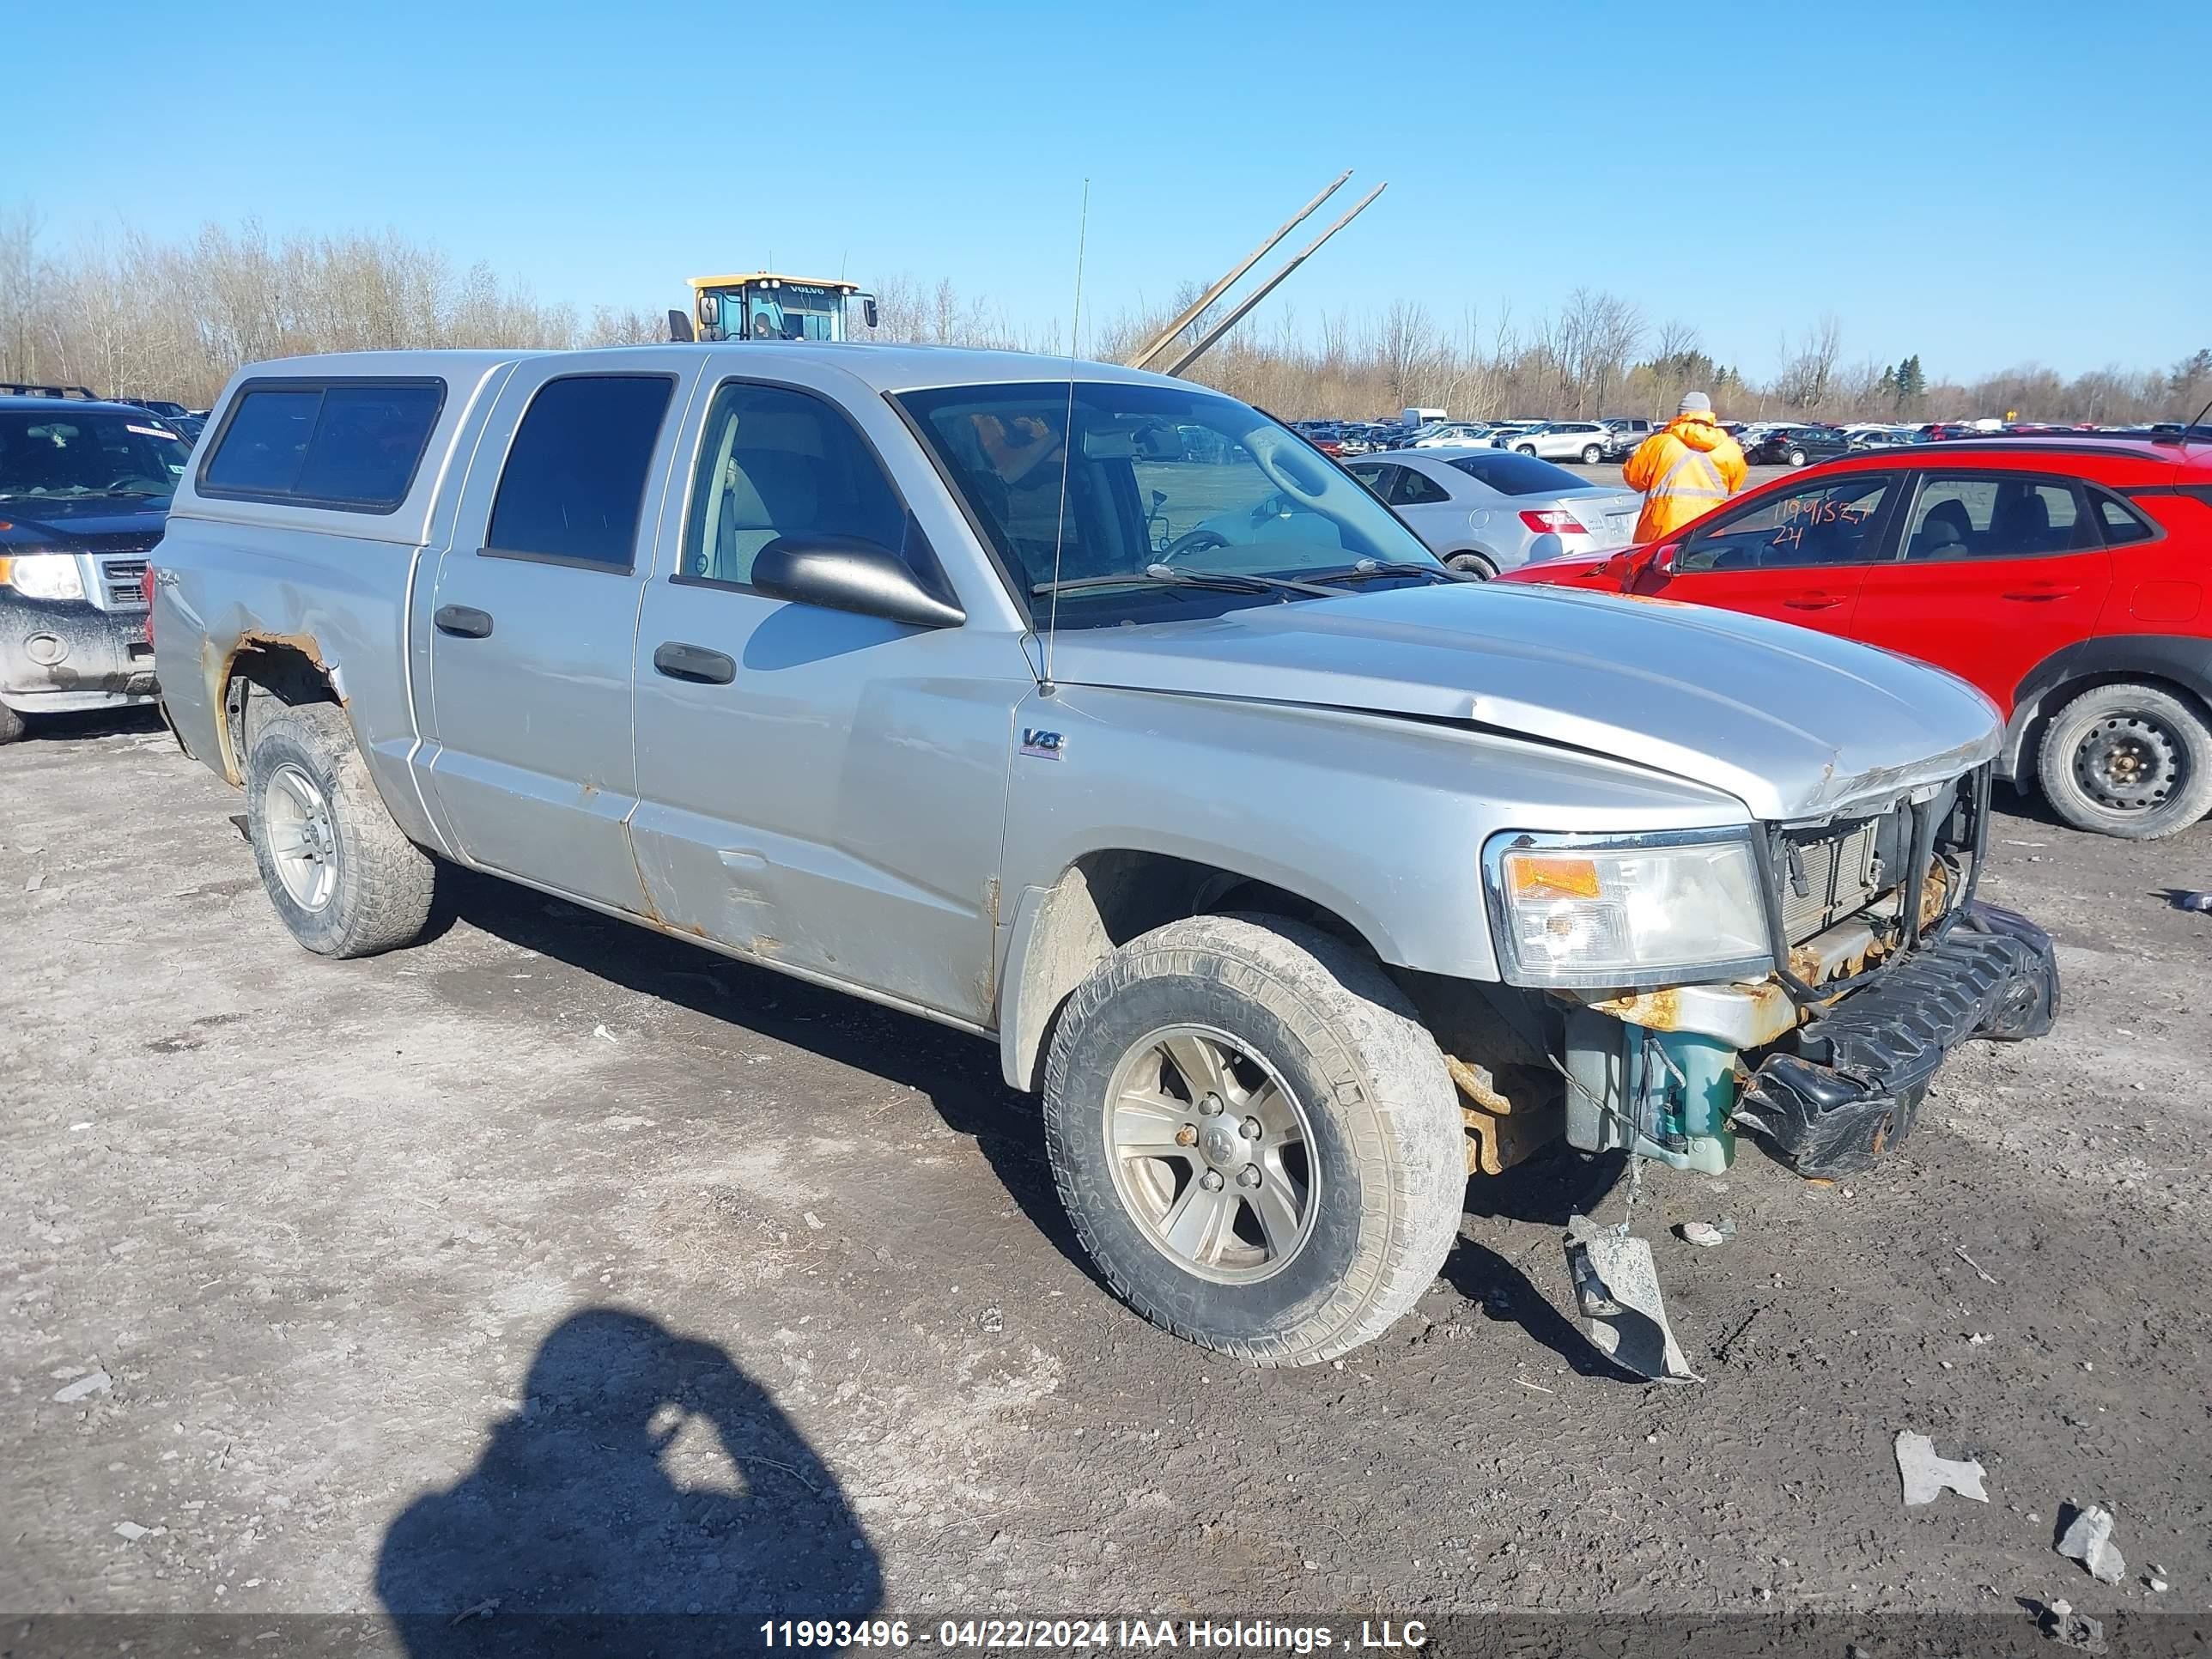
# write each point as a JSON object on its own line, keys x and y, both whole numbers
{"x": 43, "y": 575}
{"x": 1594, "y": 911}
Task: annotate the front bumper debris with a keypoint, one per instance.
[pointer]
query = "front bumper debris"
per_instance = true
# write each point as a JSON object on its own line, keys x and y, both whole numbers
{"x": 1849, "y": 1084}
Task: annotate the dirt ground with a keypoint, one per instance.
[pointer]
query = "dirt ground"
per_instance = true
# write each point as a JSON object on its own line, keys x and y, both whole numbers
{"x": 555, "y": 1264}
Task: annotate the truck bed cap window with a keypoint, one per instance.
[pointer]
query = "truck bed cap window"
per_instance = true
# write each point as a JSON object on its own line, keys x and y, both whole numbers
{"x": 574, "y": 480}
{"x": 352, "y": 444}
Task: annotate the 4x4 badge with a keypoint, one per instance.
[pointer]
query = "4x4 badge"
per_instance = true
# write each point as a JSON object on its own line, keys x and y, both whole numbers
{"x": 1040, "y": 744}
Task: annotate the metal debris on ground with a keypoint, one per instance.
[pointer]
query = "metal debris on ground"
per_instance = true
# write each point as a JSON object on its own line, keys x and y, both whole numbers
{"x": 814, "y": 1223}
{"x": 93, "y": 1381}
{"x": 2070, "y": 1628}
{"x": 1980, "y": 1272}
{"x": 131, "y": 1532}
{"x": 1618, "y": 1288}
{"x": 1926, "y": 1476}
{"x": 2088, "y": 1539}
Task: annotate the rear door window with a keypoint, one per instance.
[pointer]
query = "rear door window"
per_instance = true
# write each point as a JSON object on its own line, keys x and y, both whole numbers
{"x": 1832, "y": 523}
{"x": 354, "y": 446}
{"x": 1960, "y": 516}
{"x": 1416, "y": 488}
{"x": 575, "y": 481}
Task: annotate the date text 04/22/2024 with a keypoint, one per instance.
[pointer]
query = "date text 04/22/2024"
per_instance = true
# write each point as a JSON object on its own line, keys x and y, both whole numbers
{"x": 992, "y": 1635}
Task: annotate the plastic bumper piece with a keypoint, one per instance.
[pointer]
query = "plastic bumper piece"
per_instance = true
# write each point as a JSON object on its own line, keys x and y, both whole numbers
{"x": 1860, "y": 1067}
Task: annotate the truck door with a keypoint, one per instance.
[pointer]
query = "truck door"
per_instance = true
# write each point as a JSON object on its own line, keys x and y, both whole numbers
{"x": 535, "y": 614}
{"x": 818, "y": 788}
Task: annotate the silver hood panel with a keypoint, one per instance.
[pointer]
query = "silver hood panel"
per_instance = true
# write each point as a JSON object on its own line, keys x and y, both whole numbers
{"x": 1793, "y": 724}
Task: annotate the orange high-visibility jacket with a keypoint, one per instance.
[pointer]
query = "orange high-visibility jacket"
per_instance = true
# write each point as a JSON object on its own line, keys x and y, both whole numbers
{"x": 1685, "y": 469}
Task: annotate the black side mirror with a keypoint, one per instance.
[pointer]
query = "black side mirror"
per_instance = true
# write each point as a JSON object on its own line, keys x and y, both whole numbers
{"x": 844, "y": 572}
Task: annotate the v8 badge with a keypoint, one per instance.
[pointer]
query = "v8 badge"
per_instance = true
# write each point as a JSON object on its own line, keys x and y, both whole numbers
{"x": 1040, "y": 744}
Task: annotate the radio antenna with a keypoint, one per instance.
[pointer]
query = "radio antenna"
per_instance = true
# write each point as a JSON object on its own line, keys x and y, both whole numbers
{"x": 1066, "y": 443}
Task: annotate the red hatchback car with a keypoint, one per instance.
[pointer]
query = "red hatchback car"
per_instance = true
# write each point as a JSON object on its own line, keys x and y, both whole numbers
{"x": 2066, "y": 577}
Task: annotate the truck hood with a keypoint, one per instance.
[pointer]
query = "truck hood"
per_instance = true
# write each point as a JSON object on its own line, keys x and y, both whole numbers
{"x": 1793, "y": 724}
{"x": 78, "y": 523}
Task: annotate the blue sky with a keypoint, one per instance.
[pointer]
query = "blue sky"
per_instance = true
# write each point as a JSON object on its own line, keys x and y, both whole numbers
{"x": 1982, "y": 183}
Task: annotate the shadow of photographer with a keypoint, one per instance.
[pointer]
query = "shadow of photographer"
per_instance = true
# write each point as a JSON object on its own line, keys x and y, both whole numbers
{"x": 572, "y": 1533}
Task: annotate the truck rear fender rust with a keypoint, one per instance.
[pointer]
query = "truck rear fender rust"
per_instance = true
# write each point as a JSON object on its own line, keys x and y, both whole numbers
{"x": 1058, "y": 934}
{"x": 290, "y": 668}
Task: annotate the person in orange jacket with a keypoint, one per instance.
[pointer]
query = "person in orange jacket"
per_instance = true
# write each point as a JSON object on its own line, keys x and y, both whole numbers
{"x": 1685, "y": 469}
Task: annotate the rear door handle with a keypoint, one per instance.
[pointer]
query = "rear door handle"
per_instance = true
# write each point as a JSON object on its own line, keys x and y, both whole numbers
{"x": 463, "y": 622}
{"x": 2044, "y": 591}
{"x": 1815, "y": 602}
{"x": 695, "y": 663}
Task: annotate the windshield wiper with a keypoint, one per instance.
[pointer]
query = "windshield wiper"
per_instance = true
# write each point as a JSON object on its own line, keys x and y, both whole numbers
{"x": 1226, "y": 581}
{"x": 141, "y": 493}
{"x": 1368, "y": 569}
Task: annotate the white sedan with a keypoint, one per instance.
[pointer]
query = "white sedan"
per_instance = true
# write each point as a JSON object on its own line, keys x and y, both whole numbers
{"x": 1486, "y": 510}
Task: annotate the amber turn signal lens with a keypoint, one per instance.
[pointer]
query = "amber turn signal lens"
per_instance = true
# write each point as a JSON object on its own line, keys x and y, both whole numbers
{"x": 1542, "y": 877}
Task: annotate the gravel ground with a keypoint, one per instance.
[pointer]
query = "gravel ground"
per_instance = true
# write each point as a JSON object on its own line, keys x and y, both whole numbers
{"x": 555, "y": 1264}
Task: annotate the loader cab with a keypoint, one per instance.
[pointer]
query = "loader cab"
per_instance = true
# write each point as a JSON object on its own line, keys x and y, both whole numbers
{"x": 763, "y": 306}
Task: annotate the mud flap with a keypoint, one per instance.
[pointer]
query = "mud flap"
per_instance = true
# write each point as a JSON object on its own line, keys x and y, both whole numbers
{"x": 1617, "y": 1288}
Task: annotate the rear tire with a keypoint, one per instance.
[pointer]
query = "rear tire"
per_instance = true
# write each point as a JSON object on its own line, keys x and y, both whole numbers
{"x": 1797, "y": 458}
{"x": 341, "y": 874}
{"x": 11, "y": 724}
{"x": 1473, "y": 564}
{"x": 2127, "y": 760}
{"x": 1335, "y": 1119}
{"x": 1592, "y": 455}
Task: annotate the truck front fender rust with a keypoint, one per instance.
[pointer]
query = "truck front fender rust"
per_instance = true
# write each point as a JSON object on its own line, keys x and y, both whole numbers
{"x": 1057, "y": 934}
{"x": 292, "y": 667}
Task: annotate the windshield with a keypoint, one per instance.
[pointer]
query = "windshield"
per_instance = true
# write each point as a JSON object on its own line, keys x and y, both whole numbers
{"x": 1158, "y": 475}
{"x": 1510, "y": 474}
{"x": 52, "y": 453}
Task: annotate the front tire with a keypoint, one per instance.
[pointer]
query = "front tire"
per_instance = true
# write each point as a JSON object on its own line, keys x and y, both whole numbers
{"x": 1473, "y": 564}
{"x": 1254, "y": 1138}
{"x": 1524, "y": 449}
{"x": 2127, "y": 760}
{"x": 343, "y": 877}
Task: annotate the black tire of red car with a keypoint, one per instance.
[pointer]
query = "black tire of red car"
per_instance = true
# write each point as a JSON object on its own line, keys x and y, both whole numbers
{"x": 11, "y": 724}
{"x": 2127, "y": 760}
{"x": 1797, "y": 458}
{"x": 1473, "y": 564}
{"x": 379, "y": 892}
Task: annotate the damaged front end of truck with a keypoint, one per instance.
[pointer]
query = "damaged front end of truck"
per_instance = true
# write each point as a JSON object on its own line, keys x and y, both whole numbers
{"x": 1864, "y": 956}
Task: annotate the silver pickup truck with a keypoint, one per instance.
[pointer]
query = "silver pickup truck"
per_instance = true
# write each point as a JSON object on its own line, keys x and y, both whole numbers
{"x": 1098, "y": 714}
